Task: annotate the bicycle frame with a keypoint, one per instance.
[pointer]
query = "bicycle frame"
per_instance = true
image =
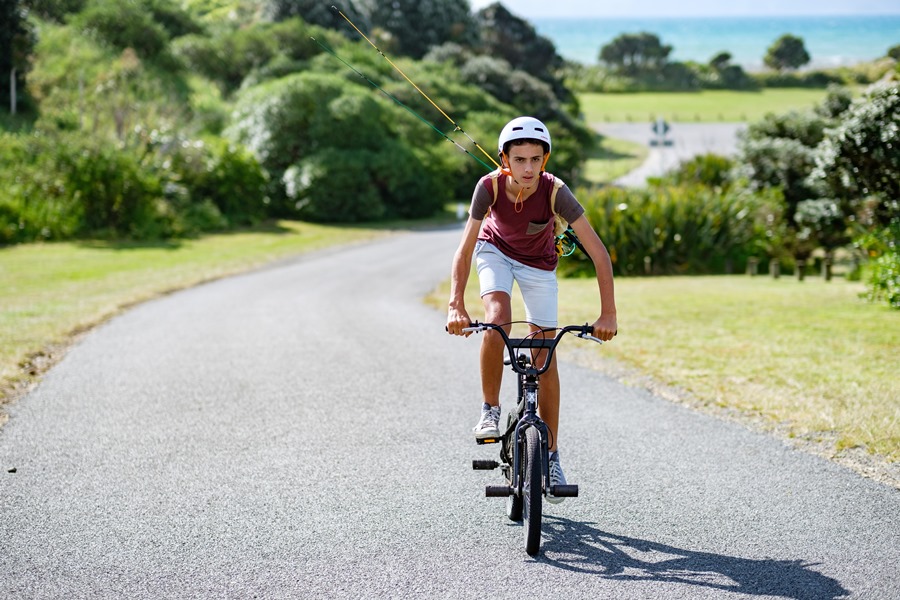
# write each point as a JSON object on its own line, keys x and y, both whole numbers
{"x": 528, "y": 396}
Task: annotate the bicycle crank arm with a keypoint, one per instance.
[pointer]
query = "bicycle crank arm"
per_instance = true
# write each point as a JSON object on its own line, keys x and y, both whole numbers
{"x": 498, "y": 491}
{"x": 564, "y": 491}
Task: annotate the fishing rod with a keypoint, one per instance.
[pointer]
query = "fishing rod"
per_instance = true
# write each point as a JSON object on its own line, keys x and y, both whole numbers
{"x": 399, "y": 70}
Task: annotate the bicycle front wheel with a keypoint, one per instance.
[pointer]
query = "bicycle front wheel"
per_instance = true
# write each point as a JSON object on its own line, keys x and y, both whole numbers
{"x": 531, "y": 491}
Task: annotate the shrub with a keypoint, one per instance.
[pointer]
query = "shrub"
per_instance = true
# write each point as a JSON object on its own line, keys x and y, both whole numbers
{"x": 122, "y": 25}
{"x": 673, "y": 229}
{"x": 334, "y": 186}
{"x": 218, "y": 176}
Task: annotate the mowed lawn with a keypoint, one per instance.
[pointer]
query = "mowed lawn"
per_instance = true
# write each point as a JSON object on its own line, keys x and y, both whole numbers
{"x": 704, "y": 106}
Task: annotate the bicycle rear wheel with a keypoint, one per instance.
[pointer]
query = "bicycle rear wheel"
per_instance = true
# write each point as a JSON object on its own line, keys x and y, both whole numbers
{"x": 531, "y": 491}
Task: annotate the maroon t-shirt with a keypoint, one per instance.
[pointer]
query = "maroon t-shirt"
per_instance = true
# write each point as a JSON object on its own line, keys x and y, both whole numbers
{"x": 525, "y": 236}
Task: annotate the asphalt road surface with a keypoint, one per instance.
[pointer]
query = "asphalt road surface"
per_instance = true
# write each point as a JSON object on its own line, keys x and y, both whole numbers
{"x": 304, "y": 431}
{"x": 687, "y": 140}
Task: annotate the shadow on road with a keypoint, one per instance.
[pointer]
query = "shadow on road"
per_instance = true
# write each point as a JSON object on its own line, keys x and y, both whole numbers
{"x": 580, "y": 547}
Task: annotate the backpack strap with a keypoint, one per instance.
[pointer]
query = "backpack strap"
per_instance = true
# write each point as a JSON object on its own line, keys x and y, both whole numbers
{"x": 495, "y": 175}
{"x": 560, "y": 225}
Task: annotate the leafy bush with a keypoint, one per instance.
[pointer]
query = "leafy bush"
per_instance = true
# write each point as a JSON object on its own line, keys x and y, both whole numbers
{"x": 709, "y": 170}
{"x": 122, "y": 25}
{"x": 223, "y": 179}
{"x": 859, "y": 158}
{"x": 883, "y": 247}
{"x": 673, "y": 229}
{"x": 312, "y": 130}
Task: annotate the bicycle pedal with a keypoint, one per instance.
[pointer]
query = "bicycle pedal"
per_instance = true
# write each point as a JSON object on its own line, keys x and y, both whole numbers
{"x": 484, "y": 441}
{"x": 498, "y": 491}
{"x": 485, "y": 465}
{"x": 564, "y": 491}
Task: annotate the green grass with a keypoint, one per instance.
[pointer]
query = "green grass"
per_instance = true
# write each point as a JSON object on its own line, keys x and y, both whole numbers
{"x": 48, "y": 292}
{"x": 706, "y": 106}
{"x": 613, "y": 158}
{"x": 809, "y": 359}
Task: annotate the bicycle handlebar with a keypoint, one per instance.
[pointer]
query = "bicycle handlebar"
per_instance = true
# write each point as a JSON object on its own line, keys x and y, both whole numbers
{"x": 585, "y": 332}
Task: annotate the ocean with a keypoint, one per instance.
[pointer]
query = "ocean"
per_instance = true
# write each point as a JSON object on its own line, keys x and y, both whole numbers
{"x": 830, "y": 40}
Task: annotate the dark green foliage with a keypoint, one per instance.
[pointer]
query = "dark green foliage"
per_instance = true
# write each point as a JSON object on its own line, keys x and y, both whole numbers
{"x": 529, "y": 95}
{"x": 352, "y": 185}
{"x": 860, "y": 157}
{"x": 786, "y": 53}
{"x": 805, "y": 127}
{"x": 115, "y": 195}
{"x": 883, "y": 246}
{"x": 507, "y": 37}
{"x": 779, "y": 162}
{"x": 54, "y": 10}
{"x": 894, "y": 52}
{"x": 264, "y": 50}
{"x": 708, "y": 170}
{"x": 635, "y": 53}
{"x": 334, "y": 186}
{"x": 835, "y": 103}
{"x": 17, "y": 40}
{"x": 224, "y": 175}
{"x": 312, "y": 129}
{"x": 122, "y": 25}
{"x": 317, "y": 12}
{"x": 672, "y": 229}
{"x": 417, "y": 25}
{"x": 822, "y": 223}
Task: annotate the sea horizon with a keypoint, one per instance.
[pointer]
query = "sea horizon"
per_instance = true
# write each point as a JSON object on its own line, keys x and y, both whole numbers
{"x": 831, "y": 40}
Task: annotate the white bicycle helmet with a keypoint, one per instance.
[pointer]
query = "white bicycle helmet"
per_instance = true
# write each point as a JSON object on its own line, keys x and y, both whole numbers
{"x": 524, "y": 128}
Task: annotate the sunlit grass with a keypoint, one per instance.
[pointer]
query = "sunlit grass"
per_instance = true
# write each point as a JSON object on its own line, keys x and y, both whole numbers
{"x": 612, "y": 158}
{"x": 808, "y": 358}
{"x": 706, "y": 106}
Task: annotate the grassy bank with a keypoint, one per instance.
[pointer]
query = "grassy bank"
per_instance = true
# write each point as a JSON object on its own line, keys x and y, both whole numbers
{"x": 809, "y": 359}
{"x": 612, "y": 158}
{"x": 705, "y": 106}
{"x": 49, "y": 292}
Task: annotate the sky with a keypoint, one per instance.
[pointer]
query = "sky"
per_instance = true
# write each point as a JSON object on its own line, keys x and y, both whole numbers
{"x": 692, "y": 8}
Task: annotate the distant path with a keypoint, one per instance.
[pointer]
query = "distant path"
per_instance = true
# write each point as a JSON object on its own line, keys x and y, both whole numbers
{"x": 689, "y": 140}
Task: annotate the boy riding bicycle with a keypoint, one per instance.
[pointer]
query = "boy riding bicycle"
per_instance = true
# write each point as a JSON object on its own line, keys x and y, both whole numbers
{"x": 510, "y": 232}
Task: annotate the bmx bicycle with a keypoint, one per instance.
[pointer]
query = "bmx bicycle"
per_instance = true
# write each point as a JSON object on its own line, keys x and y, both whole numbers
{"x": 524, "y": 443}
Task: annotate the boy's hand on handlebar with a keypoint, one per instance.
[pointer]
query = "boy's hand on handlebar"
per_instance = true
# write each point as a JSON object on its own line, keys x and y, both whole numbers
{"x": 605, "y": 327}
{"x": 457, "y": 320}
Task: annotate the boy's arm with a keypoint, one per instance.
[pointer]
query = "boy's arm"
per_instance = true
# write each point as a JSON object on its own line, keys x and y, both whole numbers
{"x": 606, "y": 326}
{"x": 457, "y": 317}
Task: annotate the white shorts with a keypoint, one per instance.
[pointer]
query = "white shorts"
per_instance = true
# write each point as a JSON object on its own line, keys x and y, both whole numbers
{"x": 540, "y": 290}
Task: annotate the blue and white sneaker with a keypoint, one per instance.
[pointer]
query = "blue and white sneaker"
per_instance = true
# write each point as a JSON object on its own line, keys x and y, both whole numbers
{"x": 489, "y": 425}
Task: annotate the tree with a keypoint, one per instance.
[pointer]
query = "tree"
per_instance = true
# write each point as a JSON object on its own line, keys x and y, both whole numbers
{"x": 417, "y": 25}
{"x": 720, "y": 60}
{"x": 894, "y": 52}
{"x": 16, "y": 44}
{"x": 317, "y": 12}
{"x": 859, "y": 159}
{"x": 54, "y": 10}
{"x": 635, "y": 53}
{"x": 506, "y": 36}
{"x": 787, "y": 53}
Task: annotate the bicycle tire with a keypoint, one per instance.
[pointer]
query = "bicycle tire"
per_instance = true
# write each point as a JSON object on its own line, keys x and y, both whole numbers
{"x": 532, "y": 493}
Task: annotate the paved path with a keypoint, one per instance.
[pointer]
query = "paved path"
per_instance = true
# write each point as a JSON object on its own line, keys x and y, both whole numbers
{"x": 688, "y": 140}
{"x": 304, "y": 432}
